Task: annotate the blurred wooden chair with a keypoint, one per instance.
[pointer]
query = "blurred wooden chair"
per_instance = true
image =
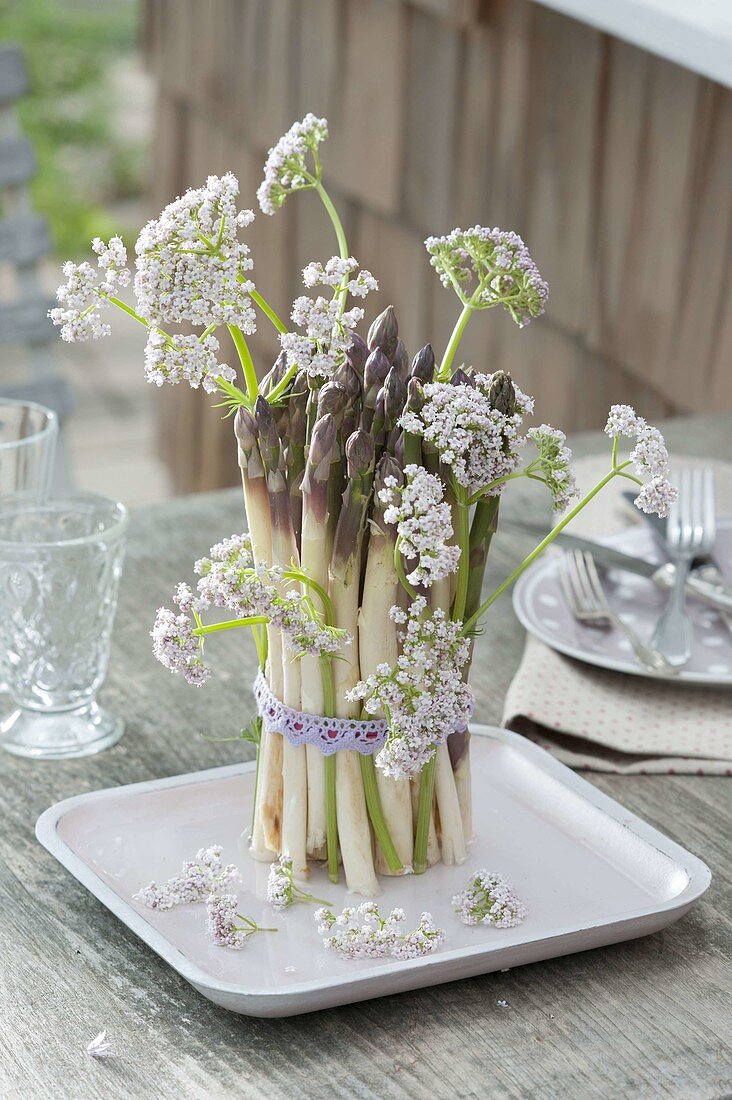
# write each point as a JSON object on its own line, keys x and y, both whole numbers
{"x": 24, "y": 241}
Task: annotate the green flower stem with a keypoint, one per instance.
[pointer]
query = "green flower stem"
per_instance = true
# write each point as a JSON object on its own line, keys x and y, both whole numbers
{"x": 230, "y": 624}
{"x": 331, "y": 815}
{"x": 128, "y": 310}
{"x": 376, "y": 813}
{"x": 424, "y": 808}
{"x": 333, "y": 215}
{"x": 443, "y": 374}
{"x": 266, "y": 308}
{"x": 281, "y": 386}
{"x": 247, "y": 363}
{"x": 301, "y": 577}
{"x": 526, "y": 472}
{"x": 399, "y": 566}
{"x": 473, "y": 620}
{"x": 463, "y": 539}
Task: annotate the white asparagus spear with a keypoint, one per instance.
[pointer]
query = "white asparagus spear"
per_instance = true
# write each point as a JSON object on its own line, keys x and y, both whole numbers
{"x": 377, "y": 643}
{"x": 268, "y": 805}
{"x": 284, "y": 554}
{"x": 353, "y": 824}
{"x": 314, "y": 558}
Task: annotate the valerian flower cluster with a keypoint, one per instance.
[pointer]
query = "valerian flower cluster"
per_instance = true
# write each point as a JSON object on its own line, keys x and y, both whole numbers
{"x": 649, "y": 458}
{"x": 488, "y": 899}
{"x": 490, "y": 267}
{"x": 363, "y": 933}
{"x": 554, "y": 465}
{"x": 480, "y": 443}
{"x": 198, "y": 878}
{"x": 222, "y": 917}
{"x": 424, "y": 524}
{"x": 291, "y": 164}
{"x": 423, "y": 697}
{"x": 85, "y": 293}
{"x": 282, "y": 890}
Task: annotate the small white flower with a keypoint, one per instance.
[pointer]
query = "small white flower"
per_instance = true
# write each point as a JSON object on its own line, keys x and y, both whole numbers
{"x": 554, "y": 465}
{"x": 424, "y": 524}
{"x": 488, "y": 899}
{"x": 363, "y": 933}
{"x": 191, "y": 265}
{"x": 287, "y": 162}
{"x": 101, "y": 1047}
{"x": 222, "y": 917}
{"x": 649, "y": 458}
{"x": 424, "y": 696}
{"x": 490, "y": 267}
{"x": 188, "y": 359}
{"x": 282, "y": 890}
{"x": 479, "y": 443}
{"x": 197, "y": 879}
{"x": 177, "y": 648}
{"x": 84, "y": 295}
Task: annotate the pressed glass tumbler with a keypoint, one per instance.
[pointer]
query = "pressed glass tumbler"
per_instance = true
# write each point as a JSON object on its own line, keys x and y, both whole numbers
{"x": 60, "y": 565}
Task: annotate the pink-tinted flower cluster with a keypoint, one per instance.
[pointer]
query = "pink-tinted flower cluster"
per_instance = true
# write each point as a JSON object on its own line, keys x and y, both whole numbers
{"x": 362, "y": 933}
{"x": 490, "y": 267}
{"x": 649, "y": 457}
{"x": 185, "y": 359}
{"x": 479, "y": 443}
{"x": 191, "y": 263}
{"x": 286, "y": 168}
{"x": 424, "y": 524}
{"x": 221, "y": 923}
{"x": 177, "y": 648}
{"x": 282, "y": 890}
{"x": 488, "y": 899}
{"x": 554, "y": 465}
{"x": 198, "y": 878}
{"x": 84, "y": 295}
{"x": 423, "y": 697}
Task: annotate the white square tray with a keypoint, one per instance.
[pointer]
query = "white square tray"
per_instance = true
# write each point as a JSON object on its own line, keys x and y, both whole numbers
{"x": 589, "y": 871}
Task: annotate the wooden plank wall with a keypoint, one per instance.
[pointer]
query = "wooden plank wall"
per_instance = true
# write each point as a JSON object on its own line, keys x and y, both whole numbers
{"x": 613, "y": 164}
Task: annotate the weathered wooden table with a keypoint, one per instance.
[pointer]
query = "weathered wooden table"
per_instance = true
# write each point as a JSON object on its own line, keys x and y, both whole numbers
{"x": 644, "y": 1019}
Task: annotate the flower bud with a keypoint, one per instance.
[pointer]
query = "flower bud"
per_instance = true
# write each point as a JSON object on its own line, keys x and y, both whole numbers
{"x": 349, "y": 378}
{"x": 275, "y": 375}
{"x": 375, "y": 370}
{"x": 269, "y": 440}
{"x": 502, "y": 394}
{"x": 245, "y": 430}
{"x": 400, "y": 359}
{"x": 462, "y": 378}
{"x": 358, "y": 353}
{"x": 387, "y": 467}
{"x": 395, "y": 393}
{"x": 423, "y": 364}
{"x": 384, "y": 333}
{"x": 333, "y": 398}
{"x": 415, "y": 395}
{"x": 359, "y": 454}
{"x": 320, "y": 453}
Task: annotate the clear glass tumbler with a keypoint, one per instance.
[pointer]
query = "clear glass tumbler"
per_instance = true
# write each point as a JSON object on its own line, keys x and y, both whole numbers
{"x": 28, "y": 435}
{"x": 60, "y": 565}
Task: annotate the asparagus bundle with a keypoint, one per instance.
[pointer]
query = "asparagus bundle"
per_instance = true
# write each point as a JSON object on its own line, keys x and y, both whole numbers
{"x": 371, "y": 490}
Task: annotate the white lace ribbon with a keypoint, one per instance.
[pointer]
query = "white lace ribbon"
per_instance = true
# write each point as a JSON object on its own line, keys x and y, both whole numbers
{"x": 328, "y": 734}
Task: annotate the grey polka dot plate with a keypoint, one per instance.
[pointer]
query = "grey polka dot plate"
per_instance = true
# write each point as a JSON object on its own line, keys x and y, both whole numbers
{"x": 540, "y": 607}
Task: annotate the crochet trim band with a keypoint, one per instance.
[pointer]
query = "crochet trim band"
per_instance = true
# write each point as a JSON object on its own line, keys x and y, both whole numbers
{"x": 328, "y": 734}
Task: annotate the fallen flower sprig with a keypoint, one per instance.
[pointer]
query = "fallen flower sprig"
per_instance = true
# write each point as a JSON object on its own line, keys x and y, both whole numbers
{"x": 282, "y": 890}
{"x": 222, "y": 915}
{"x": 362, "y": 933}
{"x": 488, "y": 899}
{"x": 198, "y": 878}
{"x": 101, "y": 1047}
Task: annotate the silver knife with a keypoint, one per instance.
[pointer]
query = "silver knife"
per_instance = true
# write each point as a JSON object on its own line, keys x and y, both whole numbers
{"x": 713, "y": 592}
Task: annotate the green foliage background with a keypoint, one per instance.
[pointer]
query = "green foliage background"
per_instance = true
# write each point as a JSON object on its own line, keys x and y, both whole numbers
{"x": 69, "y": 46}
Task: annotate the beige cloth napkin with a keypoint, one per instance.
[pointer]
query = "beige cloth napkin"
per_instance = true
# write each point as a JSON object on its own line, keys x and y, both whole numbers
{"x": 599, "y": 720}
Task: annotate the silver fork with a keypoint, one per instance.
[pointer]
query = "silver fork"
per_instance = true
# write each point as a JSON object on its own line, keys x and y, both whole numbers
{"x": 587, "y": 602}
{"x": 690, "y": 532}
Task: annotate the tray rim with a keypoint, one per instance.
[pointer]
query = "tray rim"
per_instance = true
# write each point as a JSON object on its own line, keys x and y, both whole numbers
{"x": 522, "y": 593}
{"x": 698, "y": 874}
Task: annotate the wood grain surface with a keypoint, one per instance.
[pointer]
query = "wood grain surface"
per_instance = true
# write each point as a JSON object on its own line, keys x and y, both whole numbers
{"x": 612, "y": 163}
{"x": 649, "y": 1018}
